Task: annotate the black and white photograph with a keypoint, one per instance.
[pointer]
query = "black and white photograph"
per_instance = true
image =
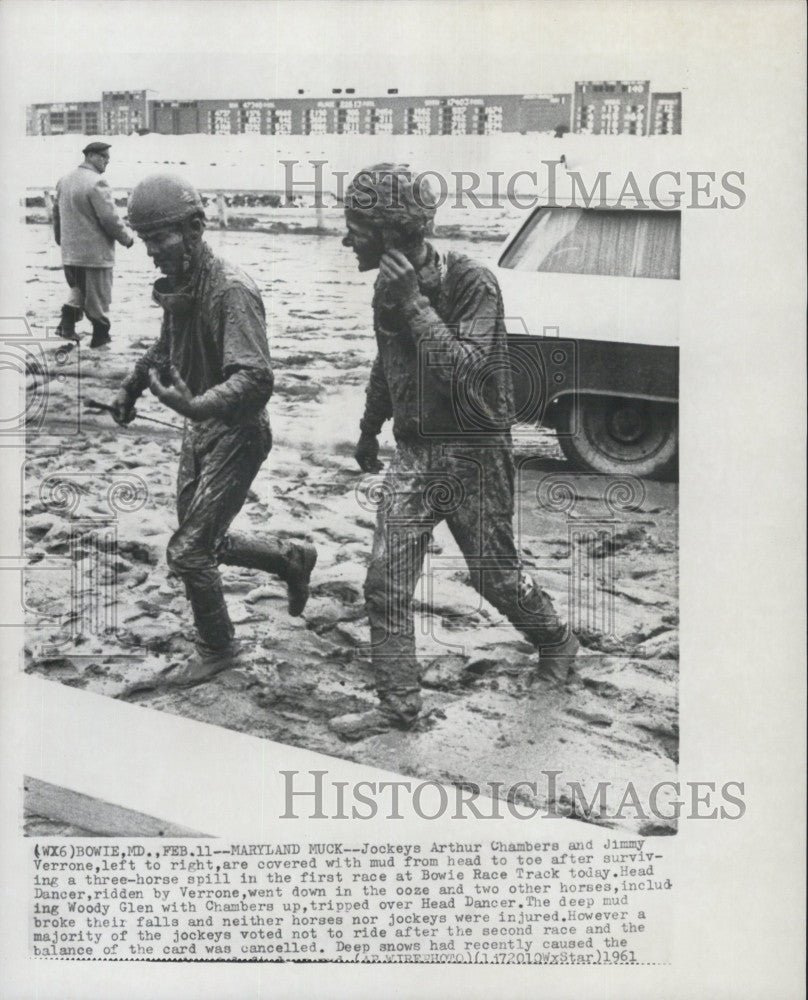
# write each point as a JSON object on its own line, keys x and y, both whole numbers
{"x": 383, "y": 411}
{"x": 382, "y": 443}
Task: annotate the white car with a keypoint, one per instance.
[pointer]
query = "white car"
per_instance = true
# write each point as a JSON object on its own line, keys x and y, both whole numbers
{"x": 592, "y": 300}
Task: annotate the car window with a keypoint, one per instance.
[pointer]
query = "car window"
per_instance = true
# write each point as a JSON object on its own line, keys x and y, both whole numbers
{"x": 629, "y": 243}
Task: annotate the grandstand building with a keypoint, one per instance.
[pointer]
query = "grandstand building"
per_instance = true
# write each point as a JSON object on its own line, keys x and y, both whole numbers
{"x": 606, "y": 107}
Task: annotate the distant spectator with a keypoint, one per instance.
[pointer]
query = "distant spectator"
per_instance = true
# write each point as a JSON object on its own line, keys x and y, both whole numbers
{"x": 86, "y": 226}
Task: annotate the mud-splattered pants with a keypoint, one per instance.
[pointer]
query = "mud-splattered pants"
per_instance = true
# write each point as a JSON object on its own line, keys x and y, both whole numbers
{"x": 472, "y": 489}
{"x": 217, "y": 466}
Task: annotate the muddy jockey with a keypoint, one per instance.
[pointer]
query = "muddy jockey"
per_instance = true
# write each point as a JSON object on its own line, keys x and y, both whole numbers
{"x": 86, "y": 226}
{"x": 211, "y": 365}
{"x": 442, "y": 374}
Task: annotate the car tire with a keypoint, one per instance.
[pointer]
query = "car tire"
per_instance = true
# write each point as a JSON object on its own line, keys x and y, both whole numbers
{"x": 618, "y": 435}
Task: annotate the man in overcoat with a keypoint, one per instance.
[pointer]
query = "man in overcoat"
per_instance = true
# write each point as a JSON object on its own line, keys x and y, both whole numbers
{"x": 86, "y": 225}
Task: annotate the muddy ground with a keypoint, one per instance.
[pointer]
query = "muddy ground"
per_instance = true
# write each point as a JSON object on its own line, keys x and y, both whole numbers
{"x": 100, "y": 509}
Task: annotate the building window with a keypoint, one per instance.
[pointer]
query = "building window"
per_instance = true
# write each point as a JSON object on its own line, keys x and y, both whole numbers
{"x": 279, "y": 122}
{"x": 419, "y": 121}
{"x": 664, "y": 117}
{"x": 380, "y": 121}
{"x": 454, "y": 121}
{"x": 348, "y": 121}
{"x": 586, "y": 122}
{"x": 634, "y": 119}
{"x": 315, "y": 121}
{"x": 220, "y": 122}
{"x": 492, "y": 119}
{"x": 610, "y": 117}
{"x": 250, "y": 122}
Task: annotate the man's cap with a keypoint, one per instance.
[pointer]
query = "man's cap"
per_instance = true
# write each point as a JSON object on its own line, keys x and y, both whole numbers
{"x": 96, "y": 147}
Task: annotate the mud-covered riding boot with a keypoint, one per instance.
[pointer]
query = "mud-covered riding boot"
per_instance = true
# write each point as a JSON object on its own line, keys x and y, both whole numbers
{"x": 67, "y": 324}
{"x": 302, "y": 560}
{"x": 557, "y": 646}
{"x": 216, "y": 647}
{"x": 204, "y": 664}
{"x": 557, "y": 663}
{"x": 396, "y": 710}
{"x": 292, "y": 562}
{"x": 101, "y": 335}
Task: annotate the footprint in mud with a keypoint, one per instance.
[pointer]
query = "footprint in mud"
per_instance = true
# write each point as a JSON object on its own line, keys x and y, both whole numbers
{"x": 360, "y": 726}
{"x": 486, "y": 713}
{"x": 593, "y": 718}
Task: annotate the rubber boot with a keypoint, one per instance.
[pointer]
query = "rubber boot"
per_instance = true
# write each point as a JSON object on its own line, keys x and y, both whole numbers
{"x": 557, "y": 646}
{"x": 556, "y": 663}
{"x": 213, "y": 625}
{"x": 101, "y": 335}
{"x": 291, "y": 562}
{"x": 216, "y": 648}
{"x": 67, "y": 324}
{"x": 302, "y": 560}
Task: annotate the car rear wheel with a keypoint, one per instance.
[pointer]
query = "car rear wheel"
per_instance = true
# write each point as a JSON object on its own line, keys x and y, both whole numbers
{"x": 618, "y": 435}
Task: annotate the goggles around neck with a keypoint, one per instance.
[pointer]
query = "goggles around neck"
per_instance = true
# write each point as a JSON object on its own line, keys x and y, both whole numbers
{"x": 176, "y": 303}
